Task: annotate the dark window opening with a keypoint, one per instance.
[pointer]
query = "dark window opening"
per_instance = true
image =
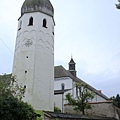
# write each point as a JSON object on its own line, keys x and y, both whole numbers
{"x": 20, "y": 25}
{"x": 62, "y": 86}
{"x": 19, "y": 29}
{"x": 53, "y": 33}
{"x": 71, "y": 66}
{"x": 25, "y": 71}
{"x": 26, "y": 56}
{"x": 24, "y": 86}
{"x": 77, "y": 91}
{"x": 30, "y": 21}
{"x": 44, "y": 23}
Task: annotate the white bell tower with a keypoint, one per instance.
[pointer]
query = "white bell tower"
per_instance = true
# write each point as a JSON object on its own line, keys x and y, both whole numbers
{"x": 34, "y": 53}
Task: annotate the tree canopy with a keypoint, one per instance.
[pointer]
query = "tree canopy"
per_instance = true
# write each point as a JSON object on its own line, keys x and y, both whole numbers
{"x": 116, "y": 101}
{"x": 11, "y": 105}
{"x": 118, "y": 5}
{"x": 81, "y": 103}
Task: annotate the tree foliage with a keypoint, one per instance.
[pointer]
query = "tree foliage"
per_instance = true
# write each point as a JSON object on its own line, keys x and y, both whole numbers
{"x": 56, "y": 109}
{"x": 112, "y": 98}
{"x": 118, "y": 5}
{"x": 10, "y": 87}
{"x": 116, "y": 101}
{"x": 12, "y": 109}
{"x": 11, "y": 105}
{"x": 81, "y": 103}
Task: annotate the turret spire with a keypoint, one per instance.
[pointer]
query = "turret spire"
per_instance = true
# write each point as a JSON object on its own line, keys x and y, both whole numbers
{"x": 72, "y": 69}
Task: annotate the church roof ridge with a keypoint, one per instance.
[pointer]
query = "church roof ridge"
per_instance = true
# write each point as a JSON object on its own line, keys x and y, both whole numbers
{"x": 60, "y": 71}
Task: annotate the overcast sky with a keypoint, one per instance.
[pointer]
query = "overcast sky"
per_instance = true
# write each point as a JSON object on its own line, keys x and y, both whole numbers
{"x": 87, "y": 29}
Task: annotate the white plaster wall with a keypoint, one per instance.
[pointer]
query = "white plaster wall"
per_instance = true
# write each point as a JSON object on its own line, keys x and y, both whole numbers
{"x": 58, "y": 101}
{"x": 69, "y": 84}
{"x": 97, "y": 98}
{"x": 39, "y": 79}
{"x": 57, "y": 86}
{"x": 100, "y": 99}
{"x": 66, "y": 80}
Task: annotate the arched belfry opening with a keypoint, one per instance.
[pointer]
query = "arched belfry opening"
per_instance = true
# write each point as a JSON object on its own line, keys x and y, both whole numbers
{"x": 30, "y": 21}
{"x": 45, "y": 23}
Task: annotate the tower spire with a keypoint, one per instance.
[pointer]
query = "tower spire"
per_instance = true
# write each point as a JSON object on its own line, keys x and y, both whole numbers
{"x": 71, "y": 64}
{"x": 71, "y": 55}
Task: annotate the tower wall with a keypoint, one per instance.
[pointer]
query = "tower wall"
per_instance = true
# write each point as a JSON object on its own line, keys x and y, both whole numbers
{"x": 34, "y": 59}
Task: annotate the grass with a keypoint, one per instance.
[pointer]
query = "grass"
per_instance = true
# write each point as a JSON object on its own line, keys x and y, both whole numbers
{"x": 41, "y": 113}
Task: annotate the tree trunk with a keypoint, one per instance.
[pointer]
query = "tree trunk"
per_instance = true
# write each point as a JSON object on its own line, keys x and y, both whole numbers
{"x": 83, "y": 112}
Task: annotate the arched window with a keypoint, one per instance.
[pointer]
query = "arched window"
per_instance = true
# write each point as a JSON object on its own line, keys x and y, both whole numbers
{"x": 30, "y": 21}
{"x": 44, "y": 23}
{"x": 62, "y": 86}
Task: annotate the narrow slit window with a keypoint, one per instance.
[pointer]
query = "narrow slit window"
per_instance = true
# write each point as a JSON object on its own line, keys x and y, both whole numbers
{"x": 44, "y": 23}
{"x": 20, "y": 25}
{"x": 30, "y": 21}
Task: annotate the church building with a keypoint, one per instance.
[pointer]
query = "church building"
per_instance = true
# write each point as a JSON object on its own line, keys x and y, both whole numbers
{"x": 33, "y": 64}
{"x": 64, "y": 83}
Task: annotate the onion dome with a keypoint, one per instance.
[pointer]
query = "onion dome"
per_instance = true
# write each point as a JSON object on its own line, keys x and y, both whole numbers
{"x": 43, "y": 6}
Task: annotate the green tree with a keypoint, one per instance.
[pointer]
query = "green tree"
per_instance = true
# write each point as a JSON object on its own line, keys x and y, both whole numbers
{"x": 10, "y": 87}
{"x": 112, "y": 98}
{"x": 56, "y": 109}
{"x": 118, "y": 5}
{"x": 12, "y": 109}
{"x": 116, "y": 101}
{"x": 81, "y": 103}
{"x": 11, "y": 105}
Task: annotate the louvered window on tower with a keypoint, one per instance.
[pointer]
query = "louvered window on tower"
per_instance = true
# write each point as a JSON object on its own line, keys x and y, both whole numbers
{"x": 30, "y": 21}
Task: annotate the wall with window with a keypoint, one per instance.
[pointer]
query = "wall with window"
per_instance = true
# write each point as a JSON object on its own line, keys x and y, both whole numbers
{"x": 37, "y": 20}
{"x": 64, "y": 81}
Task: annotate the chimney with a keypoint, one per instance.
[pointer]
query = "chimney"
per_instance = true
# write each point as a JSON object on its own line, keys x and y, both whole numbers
{"x": 99, "y": 91}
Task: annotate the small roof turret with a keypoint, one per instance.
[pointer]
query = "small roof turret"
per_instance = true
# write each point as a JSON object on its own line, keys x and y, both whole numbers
{"x": 72, "y": 67}
{"x": 72, "y": 61}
